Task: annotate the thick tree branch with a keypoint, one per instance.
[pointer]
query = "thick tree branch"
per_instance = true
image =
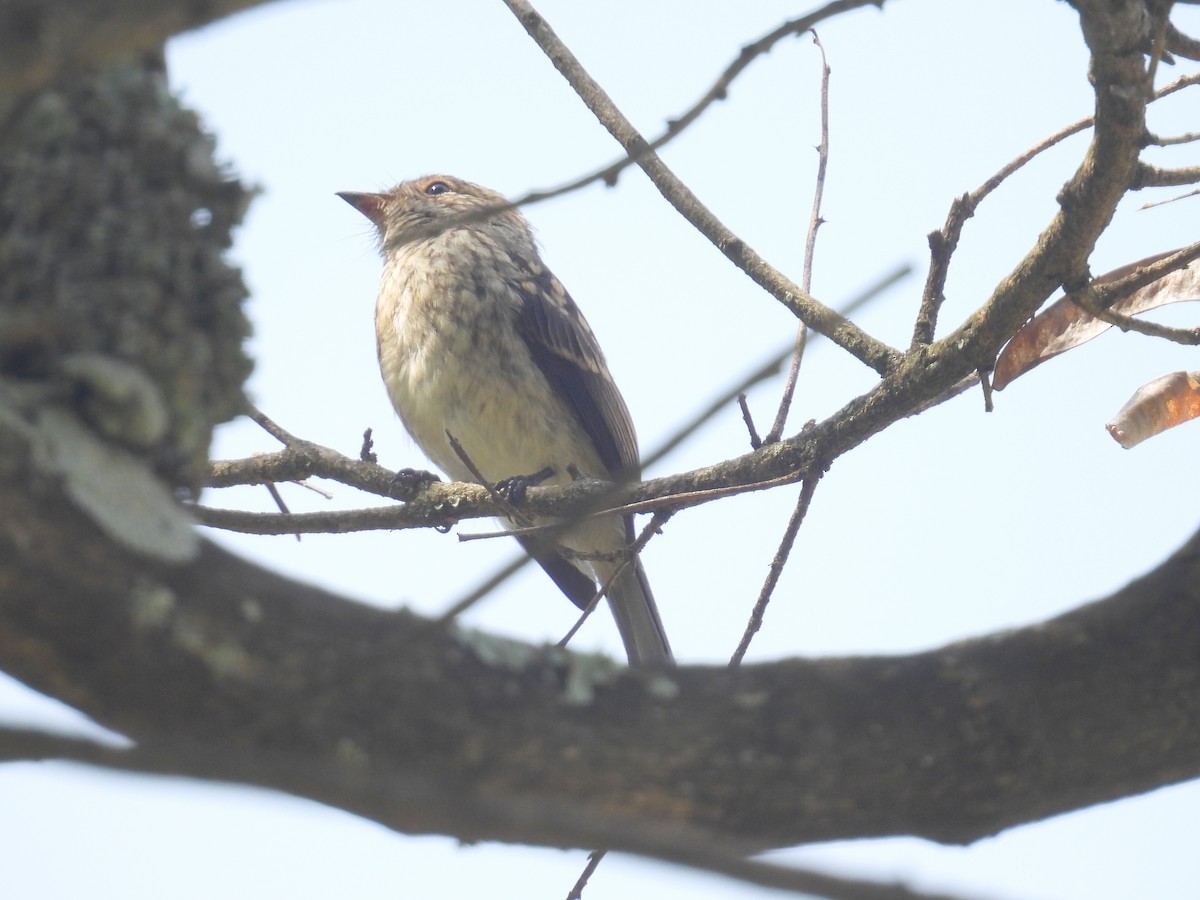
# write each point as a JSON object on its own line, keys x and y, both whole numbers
{"x": 41, "y": 39}
{"x": 670, "y": 843}
{"x": 426, "y": 729}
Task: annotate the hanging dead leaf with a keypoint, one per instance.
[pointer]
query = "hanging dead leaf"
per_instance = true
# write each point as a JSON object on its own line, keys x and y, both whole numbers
{"x": 1063, "y": 325}
{"x": 1158, "y": 405}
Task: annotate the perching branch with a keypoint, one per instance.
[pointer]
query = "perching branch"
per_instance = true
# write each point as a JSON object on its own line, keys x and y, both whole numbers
{"x": 810, "y": 242}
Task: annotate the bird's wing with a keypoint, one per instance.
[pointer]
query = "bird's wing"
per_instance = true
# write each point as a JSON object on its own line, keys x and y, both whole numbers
{"x": 564, "y": 348}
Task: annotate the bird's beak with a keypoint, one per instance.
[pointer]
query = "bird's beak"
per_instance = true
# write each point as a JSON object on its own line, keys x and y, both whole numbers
{"x": 370, "y": 205}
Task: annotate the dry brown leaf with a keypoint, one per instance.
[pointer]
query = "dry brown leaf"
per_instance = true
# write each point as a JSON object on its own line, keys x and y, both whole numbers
{"x": 1158, "y": 405}
{"x": 1063, "y": 325}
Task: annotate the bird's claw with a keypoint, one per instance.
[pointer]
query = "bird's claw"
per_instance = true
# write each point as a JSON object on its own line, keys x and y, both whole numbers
{"x": 513, "y": 489}
{"x": 409, "y": 482}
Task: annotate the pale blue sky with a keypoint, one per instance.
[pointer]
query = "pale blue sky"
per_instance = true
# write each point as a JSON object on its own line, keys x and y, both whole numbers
{"x": 928, "y": 99}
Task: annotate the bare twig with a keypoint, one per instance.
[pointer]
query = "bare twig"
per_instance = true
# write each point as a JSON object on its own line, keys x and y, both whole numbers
{"x": 767, "y": 369}
{"x": 303, "y": 459}
{"x": 267, "y": 424}
{"x": 1153, "y": 176}
{"x": 748, "y": 418}
{"x": 489, "y": 584}
{"x": 871, "y": 351}
{"x": 1173, "y": 140}
{"x": 810, "y": 243}
{"x": 273, "y": 490}
{"x": 985, "y": 382}
{"x": 718, "y": 91}
{"x": 777, "y": 564}
{"x": 1086, "y": 300}
{"x": 576, "y": 892}
{"x": 1159, "y": 43}
{"x": 1155, "y": 203}
{"x": 288, "y": 439}
{"x": 510, "y": 511}
{"x": 367, "y": 452}
{"x": 1110, "y": 292}
{"x": 657, "y": 521}
{"x": 789, "y": 386}
{"x": 1183, "y": 81}
{"x": 447, "y": 503}
{"x": 944, "y": 243}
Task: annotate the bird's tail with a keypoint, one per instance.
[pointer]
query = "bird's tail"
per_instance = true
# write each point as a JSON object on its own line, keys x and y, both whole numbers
{"x": 637, "y": 618}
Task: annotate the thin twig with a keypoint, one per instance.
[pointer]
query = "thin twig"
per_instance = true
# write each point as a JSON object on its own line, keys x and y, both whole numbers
{"x": 767, "y": 369}
{"x": 944, "y": 243}
{"x": 287, "y": 440}
{"x": 777, "y": 564}
{"x": 1187, "y": 137}
{"x": 485, "y": 587}
{"x": 273, "y": 490}
{"x": 1086, "y": 300}
{"x": 748, "y": 418}
{"x": 810, "y": 243}
{"x": 1140, "y": 275}
{"x": 1183, "y": 81}
{"x": 593, "y": 861}
{"x": 657, "y": 521}
{"x": 718, "y": 91}
{"x": 367, "y": 451}
{"x": 869, "y": 350}
{"x": 674, "y": 501}
{"x": 986, "y": 382}
{"x": 510, "y": 511}
{"x": 434, "y": 513}
{"x": 1159, "y": 41}
{"x": 1155, "y": 203}
{"x": 270, "y": 427}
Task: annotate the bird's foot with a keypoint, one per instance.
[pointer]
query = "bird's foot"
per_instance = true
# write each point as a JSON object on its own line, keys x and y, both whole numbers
{"x": 407, "y": 483}
{"x": 513, "y": 489}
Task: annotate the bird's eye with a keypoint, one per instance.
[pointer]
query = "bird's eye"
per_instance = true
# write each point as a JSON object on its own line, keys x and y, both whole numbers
{"x": 437, "y": 187}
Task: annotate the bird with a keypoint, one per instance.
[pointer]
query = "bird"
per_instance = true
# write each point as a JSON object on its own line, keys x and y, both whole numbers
{"x": 494, "y": 372}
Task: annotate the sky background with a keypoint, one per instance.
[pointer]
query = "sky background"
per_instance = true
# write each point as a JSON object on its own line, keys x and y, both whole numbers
{"x": 953, "y": 524}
